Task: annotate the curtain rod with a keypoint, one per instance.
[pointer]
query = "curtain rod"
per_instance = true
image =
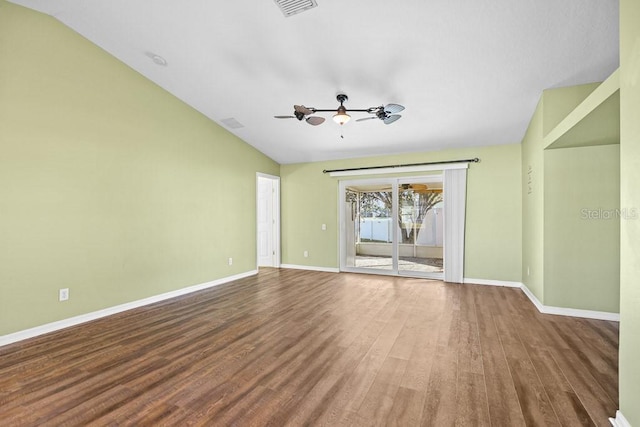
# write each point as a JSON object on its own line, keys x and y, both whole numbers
{"x": 474, "y": 160}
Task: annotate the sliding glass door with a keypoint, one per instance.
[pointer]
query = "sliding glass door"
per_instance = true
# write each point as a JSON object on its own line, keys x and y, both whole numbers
{"x": 393, "y": 226}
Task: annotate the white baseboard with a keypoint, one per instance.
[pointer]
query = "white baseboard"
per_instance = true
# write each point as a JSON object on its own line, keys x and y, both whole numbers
{"x": 573, "y": 312}
{"x": 310, "y": 267}
{"x": 546, "y": 309}
{"x": 533, "y": 298}
{"x": 587, "y": 314}
{"x": 72, "y": 321}
{"x": 492, "y": 282}
{"x": 619, "y": 420}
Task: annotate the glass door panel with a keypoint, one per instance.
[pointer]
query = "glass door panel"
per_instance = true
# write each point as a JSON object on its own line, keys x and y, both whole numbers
{"x": 369, "y": 227}
{"x": 421, "y": 227}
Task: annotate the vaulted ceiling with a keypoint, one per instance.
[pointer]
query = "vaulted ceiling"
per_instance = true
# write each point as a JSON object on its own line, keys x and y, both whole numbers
{"x": 468, "y": 72}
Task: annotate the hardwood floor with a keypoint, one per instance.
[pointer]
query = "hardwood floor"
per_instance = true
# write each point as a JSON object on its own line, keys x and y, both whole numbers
{"x": 290, "y": 347}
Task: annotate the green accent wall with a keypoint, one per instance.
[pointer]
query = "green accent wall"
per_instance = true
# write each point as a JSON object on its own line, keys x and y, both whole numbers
{"x": 110, "y": 186}
{"x": 582, "y": 228}
{"x": 629, "y": 370}
{"x": 493, "y": 217}
{"x": 594, "y": 121}
{"x": 559, "y": 102}
{"x": 533, "y": 205}
{"x": 570, "y": 257}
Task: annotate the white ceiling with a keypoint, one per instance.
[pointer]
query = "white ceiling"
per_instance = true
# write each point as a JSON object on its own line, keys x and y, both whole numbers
{"x": 468, "y": 72}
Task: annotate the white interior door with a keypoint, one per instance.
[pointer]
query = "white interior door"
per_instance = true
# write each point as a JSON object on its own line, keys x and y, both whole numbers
{"x": 268, "y": 222}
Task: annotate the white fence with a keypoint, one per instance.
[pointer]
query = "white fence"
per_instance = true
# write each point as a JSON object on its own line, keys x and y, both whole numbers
{"x": 380, "y": 229}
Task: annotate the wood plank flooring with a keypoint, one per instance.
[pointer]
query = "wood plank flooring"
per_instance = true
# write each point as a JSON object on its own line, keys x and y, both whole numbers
{"x": 292, "y": 348}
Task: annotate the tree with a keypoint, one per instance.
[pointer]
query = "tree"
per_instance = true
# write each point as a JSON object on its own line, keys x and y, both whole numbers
{"x": 374, "y": 205}
{"x": 412, "y": 210}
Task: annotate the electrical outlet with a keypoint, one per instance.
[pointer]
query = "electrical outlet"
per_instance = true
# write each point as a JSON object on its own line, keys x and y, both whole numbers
{"x": 306, "y": 254}
{"x": 230, "y": 261}
{"x": 528, "y": 271}
{"x": 324, "y": 227}
{"x": 63, "y": 294}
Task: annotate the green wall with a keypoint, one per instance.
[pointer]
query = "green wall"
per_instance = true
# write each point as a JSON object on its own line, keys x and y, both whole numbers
{"x": 110, "y": 186}
{"x": 559, "y": 102}
{"x": 533, "y": 205}
{"x": 493, "y": 222}
{"x": 553, "y": 106}
{"x": 629, "y": 371}
{"x": 582, "y": 228}
{"x": 568, "y": 261}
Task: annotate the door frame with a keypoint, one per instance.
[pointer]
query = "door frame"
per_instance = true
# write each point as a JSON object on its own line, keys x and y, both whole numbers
{"x": 275, "y": 206}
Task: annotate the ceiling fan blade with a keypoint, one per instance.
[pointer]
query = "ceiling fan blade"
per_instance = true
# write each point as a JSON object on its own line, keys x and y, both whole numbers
{"x": 366, "y": 118}
{"x": 393, "y": 108}
{"x": 302, "y": 109}
{"x": 392, "y": 118}
{"x": 284, "y": 117}
{"x": 315, "y": 120}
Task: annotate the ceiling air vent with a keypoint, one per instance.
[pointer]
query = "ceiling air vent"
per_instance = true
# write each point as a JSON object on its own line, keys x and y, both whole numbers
{"x": 292, "y": 7}
{"x": 232, "y": 123}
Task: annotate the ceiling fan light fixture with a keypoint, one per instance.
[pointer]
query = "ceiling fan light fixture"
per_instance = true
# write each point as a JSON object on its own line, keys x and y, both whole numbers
{"x": 341, "y": 117}
{"x": 384, "y": 113}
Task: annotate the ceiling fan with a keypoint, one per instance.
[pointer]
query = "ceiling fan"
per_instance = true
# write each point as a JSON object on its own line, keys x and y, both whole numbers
{"x": 386, "y": 113}
{"x": 302, "y": 113}
{"x": 420, "y": 188}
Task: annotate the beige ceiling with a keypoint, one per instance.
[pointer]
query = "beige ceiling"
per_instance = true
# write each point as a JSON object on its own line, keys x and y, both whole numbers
{"x": 468, "y": 72}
